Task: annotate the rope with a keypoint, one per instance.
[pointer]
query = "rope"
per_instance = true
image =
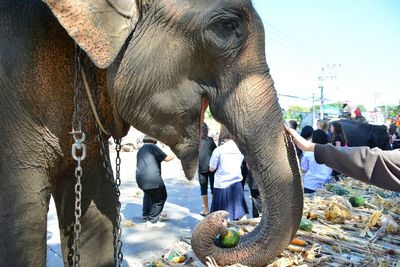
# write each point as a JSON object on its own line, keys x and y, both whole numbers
{"x": 96, "y": 116}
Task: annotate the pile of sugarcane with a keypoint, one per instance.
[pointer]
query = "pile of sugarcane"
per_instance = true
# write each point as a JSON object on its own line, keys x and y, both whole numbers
{"x": 348, "y": 223}
{"x": 336, "y": 230}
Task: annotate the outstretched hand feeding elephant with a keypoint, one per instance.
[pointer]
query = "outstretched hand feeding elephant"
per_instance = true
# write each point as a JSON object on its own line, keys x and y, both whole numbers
{"x": 153, "y": 64}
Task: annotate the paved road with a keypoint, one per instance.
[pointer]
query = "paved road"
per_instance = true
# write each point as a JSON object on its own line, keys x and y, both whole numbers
{"x": 140, "y": 243}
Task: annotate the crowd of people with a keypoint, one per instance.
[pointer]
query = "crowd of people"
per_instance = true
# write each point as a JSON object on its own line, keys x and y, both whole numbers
{"x": 315, "y": 174}
{"x": 326, "y": 155}
{"x": 323, "y": 154}
{"x": 221, "y": 169}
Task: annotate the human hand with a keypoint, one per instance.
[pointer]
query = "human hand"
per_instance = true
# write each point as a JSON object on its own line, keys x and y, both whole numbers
{"x": 300, "y": 142}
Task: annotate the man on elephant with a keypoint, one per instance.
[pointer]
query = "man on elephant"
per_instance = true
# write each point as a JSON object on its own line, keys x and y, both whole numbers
{"x": 357, "y": 112}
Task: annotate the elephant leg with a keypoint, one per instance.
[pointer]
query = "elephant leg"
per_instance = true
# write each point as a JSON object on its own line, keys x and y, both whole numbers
{"x": 24, "y": 200}
{"x": 98, "y": 215}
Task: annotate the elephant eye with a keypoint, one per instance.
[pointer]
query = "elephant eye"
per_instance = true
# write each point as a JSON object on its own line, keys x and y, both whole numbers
{"x": 231, "y": 25}
{"x": 225, "y": 28}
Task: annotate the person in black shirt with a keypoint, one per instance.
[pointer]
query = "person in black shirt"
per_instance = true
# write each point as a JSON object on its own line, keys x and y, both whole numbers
{"x": 148, "y": 178}
{"x": 207, "y": 146}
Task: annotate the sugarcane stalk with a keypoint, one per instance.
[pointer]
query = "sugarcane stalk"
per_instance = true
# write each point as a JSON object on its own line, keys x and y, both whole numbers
{"x": 294, "y": 248}
{"x": 356, "y": 245}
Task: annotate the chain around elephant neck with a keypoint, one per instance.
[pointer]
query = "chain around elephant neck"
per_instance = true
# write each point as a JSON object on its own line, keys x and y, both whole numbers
{"x": 78, "y": 145}
{"x": 118, "y": 256}
{"x": 104, "y": 151}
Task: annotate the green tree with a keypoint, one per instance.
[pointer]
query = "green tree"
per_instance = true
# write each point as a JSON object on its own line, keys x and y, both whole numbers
{"x": 392, "y": 110}
{"x": 338, "y": 105}
{"x": 294, "y": 113}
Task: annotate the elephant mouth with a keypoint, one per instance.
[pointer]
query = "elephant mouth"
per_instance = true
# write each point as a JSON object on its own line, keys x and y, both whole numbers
{"x": 188, "y": 149}
{"x": 204, "y": 106}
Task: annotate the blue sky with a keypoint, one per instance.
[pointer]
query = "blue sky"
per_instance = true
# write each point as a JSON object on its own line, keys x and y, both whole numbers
{"x": 357, "y": 42}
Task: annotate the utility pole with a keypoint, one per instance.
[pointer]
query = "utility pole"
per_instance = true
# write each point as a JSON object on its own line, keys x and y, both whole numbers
{"x": 330, "y": 75}
{"x": 313, "y": 112}
{"x": 321, "y": 87}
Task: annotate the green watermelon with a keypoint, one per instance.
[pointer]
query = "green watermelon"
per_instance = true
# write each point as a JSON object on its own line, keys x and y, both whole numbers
{"x": 357, "y": 201}
{"x": 306, "y": 224}
{"x": 230, "y": 239}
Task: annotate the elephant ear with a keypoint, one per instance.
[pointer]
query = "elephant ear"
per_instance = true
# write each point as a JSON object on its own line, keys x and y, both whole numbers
{"x": 99, "y": 27}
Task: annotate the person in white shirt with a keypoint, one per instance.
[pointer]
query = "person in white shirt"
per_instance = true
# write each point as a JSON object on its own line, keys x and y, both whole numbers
{"x": 315, "y": 175}
{"x": 228, "y": 190}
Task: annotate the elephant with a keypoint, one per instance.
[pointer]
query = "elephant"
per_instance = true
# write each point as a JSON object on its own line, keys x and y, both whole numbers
{"x": 155, "y": 65}
{"x": 364, "y": 134}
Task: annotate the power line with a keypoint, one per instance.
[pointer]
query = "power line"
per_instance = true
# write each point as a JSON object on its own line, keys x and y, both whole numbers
{"x": 302, "y": 97}
{"x": 291, "y": 43}
{"x": 305, "y": 49}
{"x": 278, "y": 36}
{"x": 297, "y": 97}
{"x": 281, "y": 42}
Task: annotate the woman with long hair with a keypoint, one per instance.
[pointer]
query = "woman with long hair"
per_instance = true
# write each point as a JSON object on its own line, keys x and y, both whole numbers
{"x": 338, "y": 135}
{"x": 338, "y": 139}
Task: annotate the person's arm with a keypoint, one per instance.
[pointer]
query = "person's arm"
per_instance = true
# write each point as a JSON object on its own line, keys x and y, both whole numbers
{"x": 373, "y": 166}
{"x": 395, "y": 138}
{"x": 304, "y": 165}
{"x": 300, "y": 142}
{"x": 161, "y": 155}
{"x": 169, "y": 157}
{"x": 213, "y": 161}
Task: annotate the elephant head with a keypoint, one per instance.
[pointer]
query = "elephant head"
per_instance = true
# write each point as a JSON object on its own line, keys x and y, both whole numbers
{"x": 166, "y": 60}
{"x": 379, "y": 137}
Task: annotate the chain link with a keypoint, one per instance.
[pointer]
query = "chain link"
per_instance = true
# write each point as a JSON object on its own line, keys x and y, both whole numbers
{"x": 78, "y": 145}
{"x": 78, "y": 152}
{"x": 118, "y": 256}
{"x": 117, "y": 231}
{"x": 79, "y": 137}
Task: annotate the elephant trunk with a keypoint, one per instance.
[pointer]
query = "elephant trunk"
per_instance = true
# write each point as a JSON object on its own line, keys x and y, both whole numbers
{"x": 252, "y": 114}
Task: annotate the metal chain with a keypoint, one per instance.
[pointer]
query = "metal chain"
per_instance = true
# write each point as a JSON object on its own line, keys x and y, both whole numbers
{"x": 117, "y": 231}
{"x": 118, "y": 256}
{"x": 78, "y": 145}
{"x": 78, "y": 151}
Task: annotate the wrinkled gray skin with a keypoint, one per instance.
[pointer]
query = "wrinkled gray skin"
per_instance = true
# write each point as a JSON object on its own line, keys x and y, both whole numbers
{"x": 154, "y": 62}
